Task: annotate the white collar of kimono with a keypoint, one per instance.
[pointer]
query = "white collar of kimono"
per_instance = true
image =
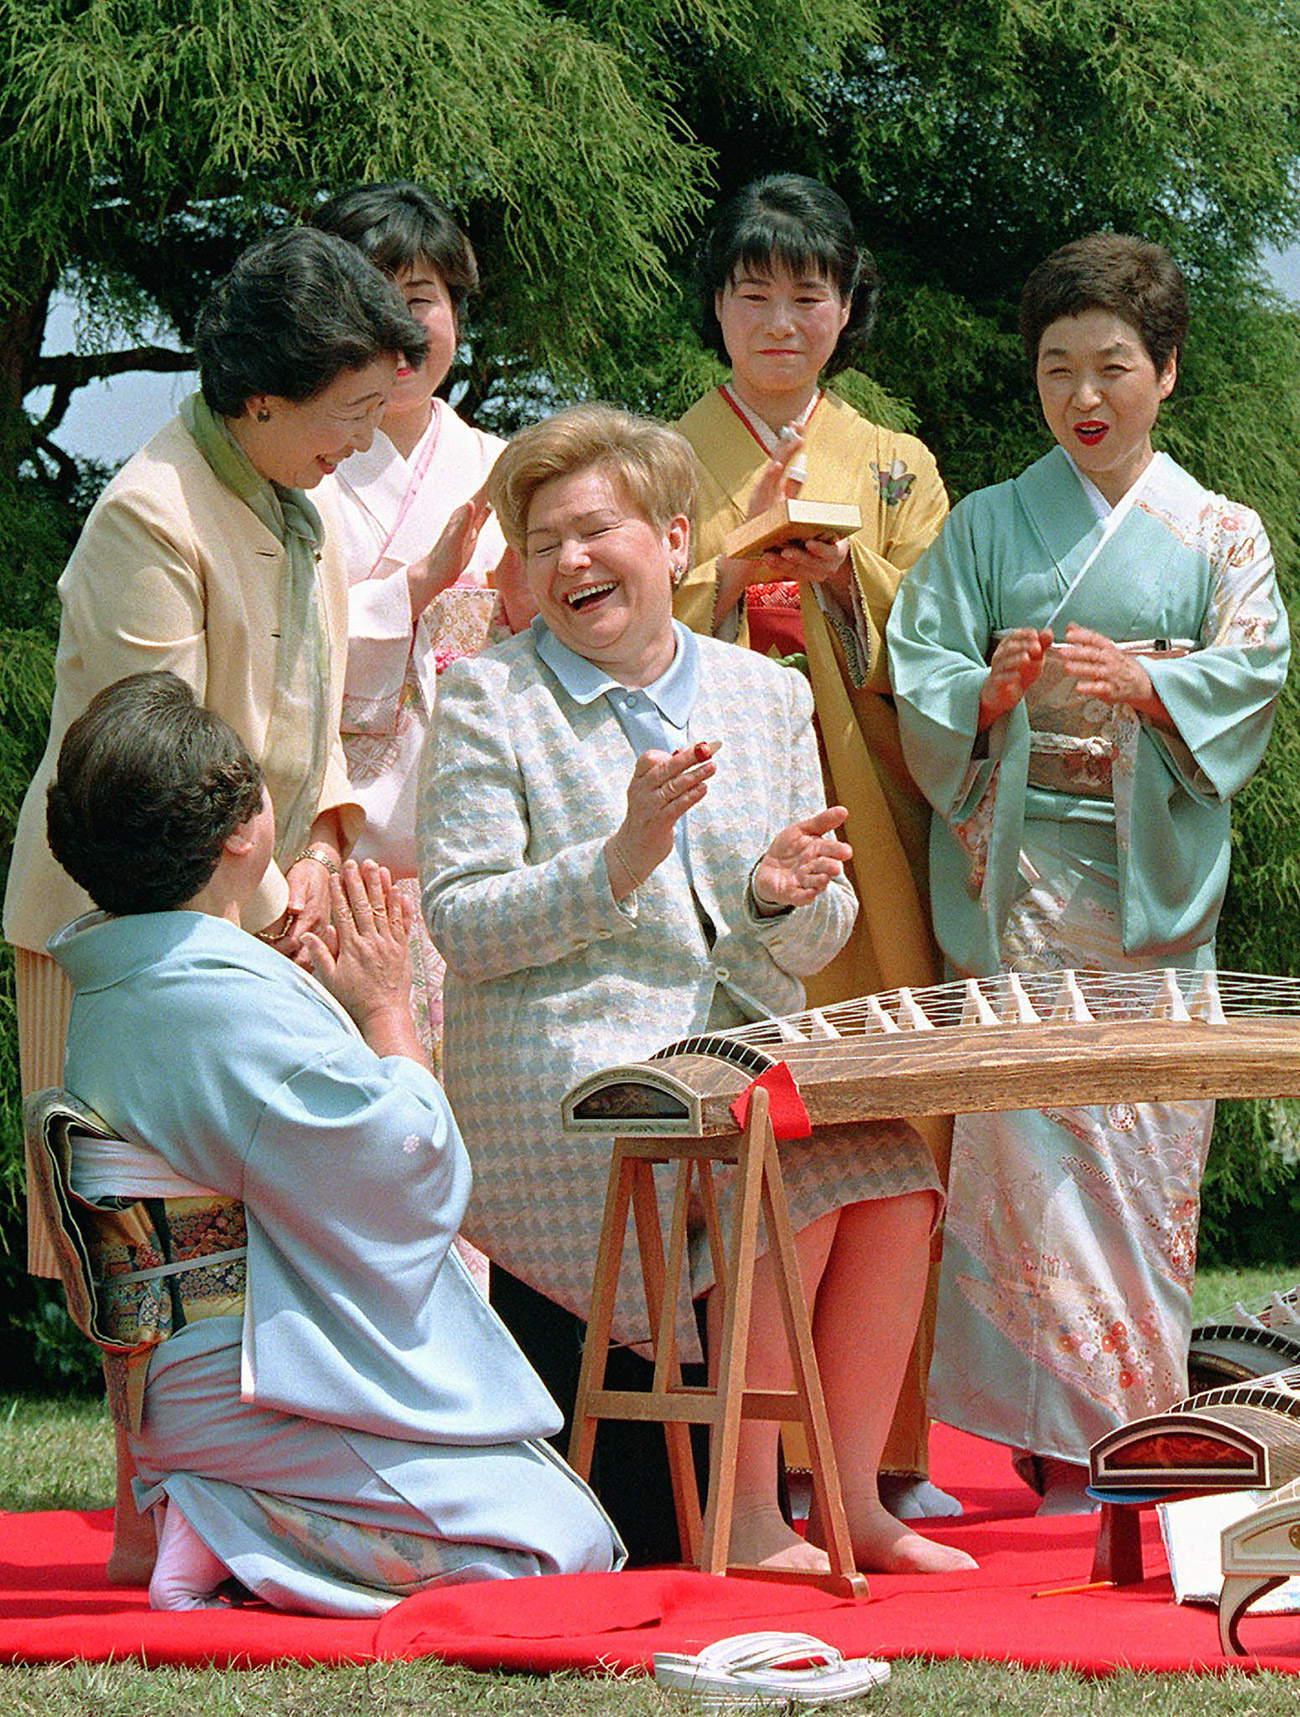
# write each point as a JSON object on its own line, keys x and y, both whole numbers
{"x": 383, "y": 469}
{"x": 1098, "y": 502}
{"x": 1110, "y": 518}
{"x": 673, "y": 694}
{"x": 768, "y": 438}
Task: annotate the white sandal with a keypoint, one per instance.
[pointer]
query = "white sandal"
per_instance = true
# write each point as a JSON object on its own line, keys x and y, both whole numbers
{"x": 746, "y": 1670}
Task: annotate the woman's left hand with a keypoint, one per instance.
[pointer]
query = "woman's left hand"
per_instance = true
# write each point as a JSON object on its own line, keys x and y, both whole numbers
{"x": 801, "y": 861}
{"x": 1101, "y": 670}
{"x": 814, "y": 562}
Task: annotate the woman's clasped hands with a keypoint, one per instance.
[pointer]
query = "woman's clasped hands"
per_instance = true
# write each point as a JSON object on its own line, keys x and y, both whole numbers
{"x": 363, "y": 961}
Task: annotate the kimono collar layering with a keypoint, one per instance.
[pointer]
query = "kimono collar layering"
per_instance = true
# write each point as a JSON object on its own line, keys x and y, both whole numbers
{"x": 298, "y": 730}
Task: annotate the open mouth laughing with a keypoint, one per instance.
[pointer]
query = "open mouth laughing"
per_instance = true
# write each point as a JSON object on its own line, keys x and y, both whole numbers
{"x": 588, "y": 596}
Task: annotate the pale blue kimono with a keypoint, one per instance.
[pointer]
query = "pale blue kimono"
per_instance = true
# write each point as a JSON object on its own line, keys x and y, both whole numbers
{"x": 1070, "y": 1239}
{"x": 370, "y": 1428}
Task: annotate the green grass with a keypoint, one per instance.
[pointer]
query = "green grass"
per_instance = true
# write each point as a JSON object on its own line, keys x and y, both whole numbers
{"x": 60, "y": 1455}
{"x": 916, "y": 1689}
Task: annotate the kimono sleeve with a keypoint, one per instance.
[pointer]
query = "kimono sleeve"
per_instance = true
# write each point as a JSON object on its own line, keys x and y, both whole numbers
{"x": 380, "y": 638}
{"x": 939, "y": 634}
{"x": 1222, "y": 697}
{"x": 912, "y": 523}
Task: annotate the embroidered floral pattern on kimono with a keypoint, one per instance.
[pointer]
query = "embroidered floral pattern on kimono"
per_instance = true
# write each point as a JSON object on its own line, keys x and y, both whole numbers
{"x": 895, "y": 481}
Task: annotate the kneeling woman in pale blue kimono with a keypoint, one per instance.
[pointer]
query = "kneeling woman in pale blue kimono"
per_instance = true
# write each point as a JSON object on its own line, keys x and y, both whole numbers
{"x": 1086, "y": 664}
{"x": 337, "y": 1419}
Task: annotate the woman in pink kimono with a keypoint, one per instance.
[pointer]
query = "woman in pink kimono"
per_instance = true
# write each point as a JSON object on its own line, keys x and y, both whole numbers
{"x": 415, "y": 539}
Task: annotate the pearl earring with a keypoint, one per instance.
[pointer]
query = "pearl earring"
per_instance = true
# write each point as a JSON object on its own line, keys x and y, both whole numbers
{"x": 263, "y": 415}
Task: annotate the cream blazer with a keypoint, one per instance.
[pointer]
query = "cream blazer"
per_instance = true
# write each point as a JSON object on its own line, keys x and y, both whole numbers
{"x": 171, "y": 571}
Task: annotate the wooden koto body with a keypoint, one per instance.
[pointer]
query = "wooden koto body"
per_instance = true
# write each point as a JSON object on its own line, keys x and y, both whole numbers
{"x": 1008, "y": 1042}
{"x": 1244, "y": 1437}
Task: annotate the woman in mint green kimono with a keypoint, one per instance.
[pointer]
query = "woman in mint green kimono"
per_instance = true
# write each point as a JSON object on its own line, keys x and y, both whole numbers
{"x": 1086, "y": 664}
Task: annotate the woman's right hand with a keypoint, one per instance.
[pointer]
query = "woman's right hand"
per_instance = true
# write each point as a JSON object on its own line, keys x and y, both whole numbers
{"x": 663, "y": 788}
{"x": 1016, "y": 664}
{"x": 449, "y": 556}
{"x": 775, "y": 483}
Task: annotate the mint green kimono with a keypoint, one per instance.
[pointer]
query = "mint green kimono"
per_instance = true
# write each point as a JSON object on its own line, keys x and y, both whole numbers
{"x": 1076, "y": 834}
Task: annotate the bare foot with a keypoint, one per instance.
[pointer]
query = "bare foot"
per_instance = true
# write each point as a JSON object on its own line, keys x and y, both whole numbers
{"x": 760, "y": 1538}
{"x": 907, "y": 1496}
{"x": 883, "y": 1545}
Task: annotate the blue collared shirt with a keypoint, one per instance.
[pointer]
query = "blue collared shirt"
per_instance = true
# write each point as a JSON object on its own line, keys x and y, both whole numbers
{"x": 653, "y": 718}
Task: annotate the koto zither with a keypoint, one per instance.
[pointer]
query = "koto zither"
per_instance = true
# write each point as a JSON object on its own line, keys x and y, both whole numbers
{"x": 1012, "y": 1041}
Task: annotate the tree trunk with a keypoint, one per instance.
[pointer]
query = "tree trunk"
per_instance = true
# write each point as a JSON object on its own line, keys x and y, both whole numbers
{"x": 22, "y": 328}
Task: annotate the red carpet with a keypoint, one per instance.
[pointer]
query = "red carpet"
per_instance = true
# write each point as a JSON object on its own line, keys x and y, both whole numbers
{"x": 56, "y": 1605}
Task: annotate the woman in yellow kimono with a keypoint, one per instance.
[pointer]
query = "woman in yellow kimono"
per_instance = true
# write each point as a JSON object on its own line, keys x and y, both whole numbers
{"x": 787, "y": 295}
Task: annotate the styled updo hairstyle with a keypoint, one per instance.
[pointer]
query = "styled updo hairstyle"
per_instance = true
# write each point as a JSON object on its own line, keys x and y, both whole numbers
{"x": 1132, "y": 278}
{"x": 296, "y": 311}
{"x": 789, "y": 224}
{"x": 396, "y": 226}
{"x": 149, "y": 785}
{"x": 651, "y": 465}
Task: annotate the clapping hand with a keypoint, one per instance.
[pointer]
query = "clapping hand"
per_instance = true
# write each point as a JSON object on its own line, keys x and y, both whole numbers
{"x": 663, "y": 787}
{"x": 449, "y": 556}
{"x": 1017, "y": 663}
{"x": 369, "y": 972}
{"x": 1101, "y": 670}
{"x": 801, "y": 861}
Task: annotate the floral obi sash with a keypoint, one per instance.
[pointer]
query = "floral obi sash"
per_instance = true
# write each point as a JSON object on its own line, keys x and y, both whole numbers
{"x": 134, "y": 1271}
{"x": 1074, "y": 741}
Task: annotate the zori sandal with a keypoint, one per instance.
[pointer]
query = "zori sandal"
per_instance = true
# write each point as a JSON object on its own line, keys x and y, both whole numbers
{"x": 768, "y": 1669}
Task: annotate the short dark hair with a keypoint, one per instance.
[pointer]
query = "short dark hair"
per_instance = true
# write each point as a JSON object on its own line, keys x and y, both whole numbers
{"x": 297, "y": 310}
{"x": 396, "y": 225}
{"x": 1134, "y": 278}
{"x": 793, "y": 224}
{"x": 148, "y": 787}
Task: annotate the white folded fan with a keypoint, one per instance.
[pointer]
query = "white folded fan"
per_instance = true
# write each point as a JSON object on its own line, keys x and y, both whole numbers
{"x": 746, "y": 1670}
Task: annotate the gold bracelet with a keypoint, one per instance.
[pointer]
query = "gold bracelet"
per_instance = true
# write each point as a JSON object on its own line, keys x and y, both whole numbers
{"x": 618, "y": 854}
{"x": 319, "y": 855}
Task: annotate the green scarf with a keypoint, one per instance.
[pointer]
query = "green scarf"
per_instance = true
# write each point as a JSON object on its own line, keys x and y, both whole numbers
{"x": 298, "y": 735}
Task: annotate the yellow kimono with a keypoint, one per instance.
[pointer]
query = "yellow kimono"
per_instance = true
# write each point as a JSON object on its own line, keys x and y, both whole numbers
{"x": 896, "y": 485}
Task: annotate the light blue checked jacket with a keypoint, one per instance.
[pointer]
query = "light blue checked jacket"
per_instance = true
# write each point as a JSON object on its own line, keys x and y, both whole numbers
{"x": 549, "y": 978}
